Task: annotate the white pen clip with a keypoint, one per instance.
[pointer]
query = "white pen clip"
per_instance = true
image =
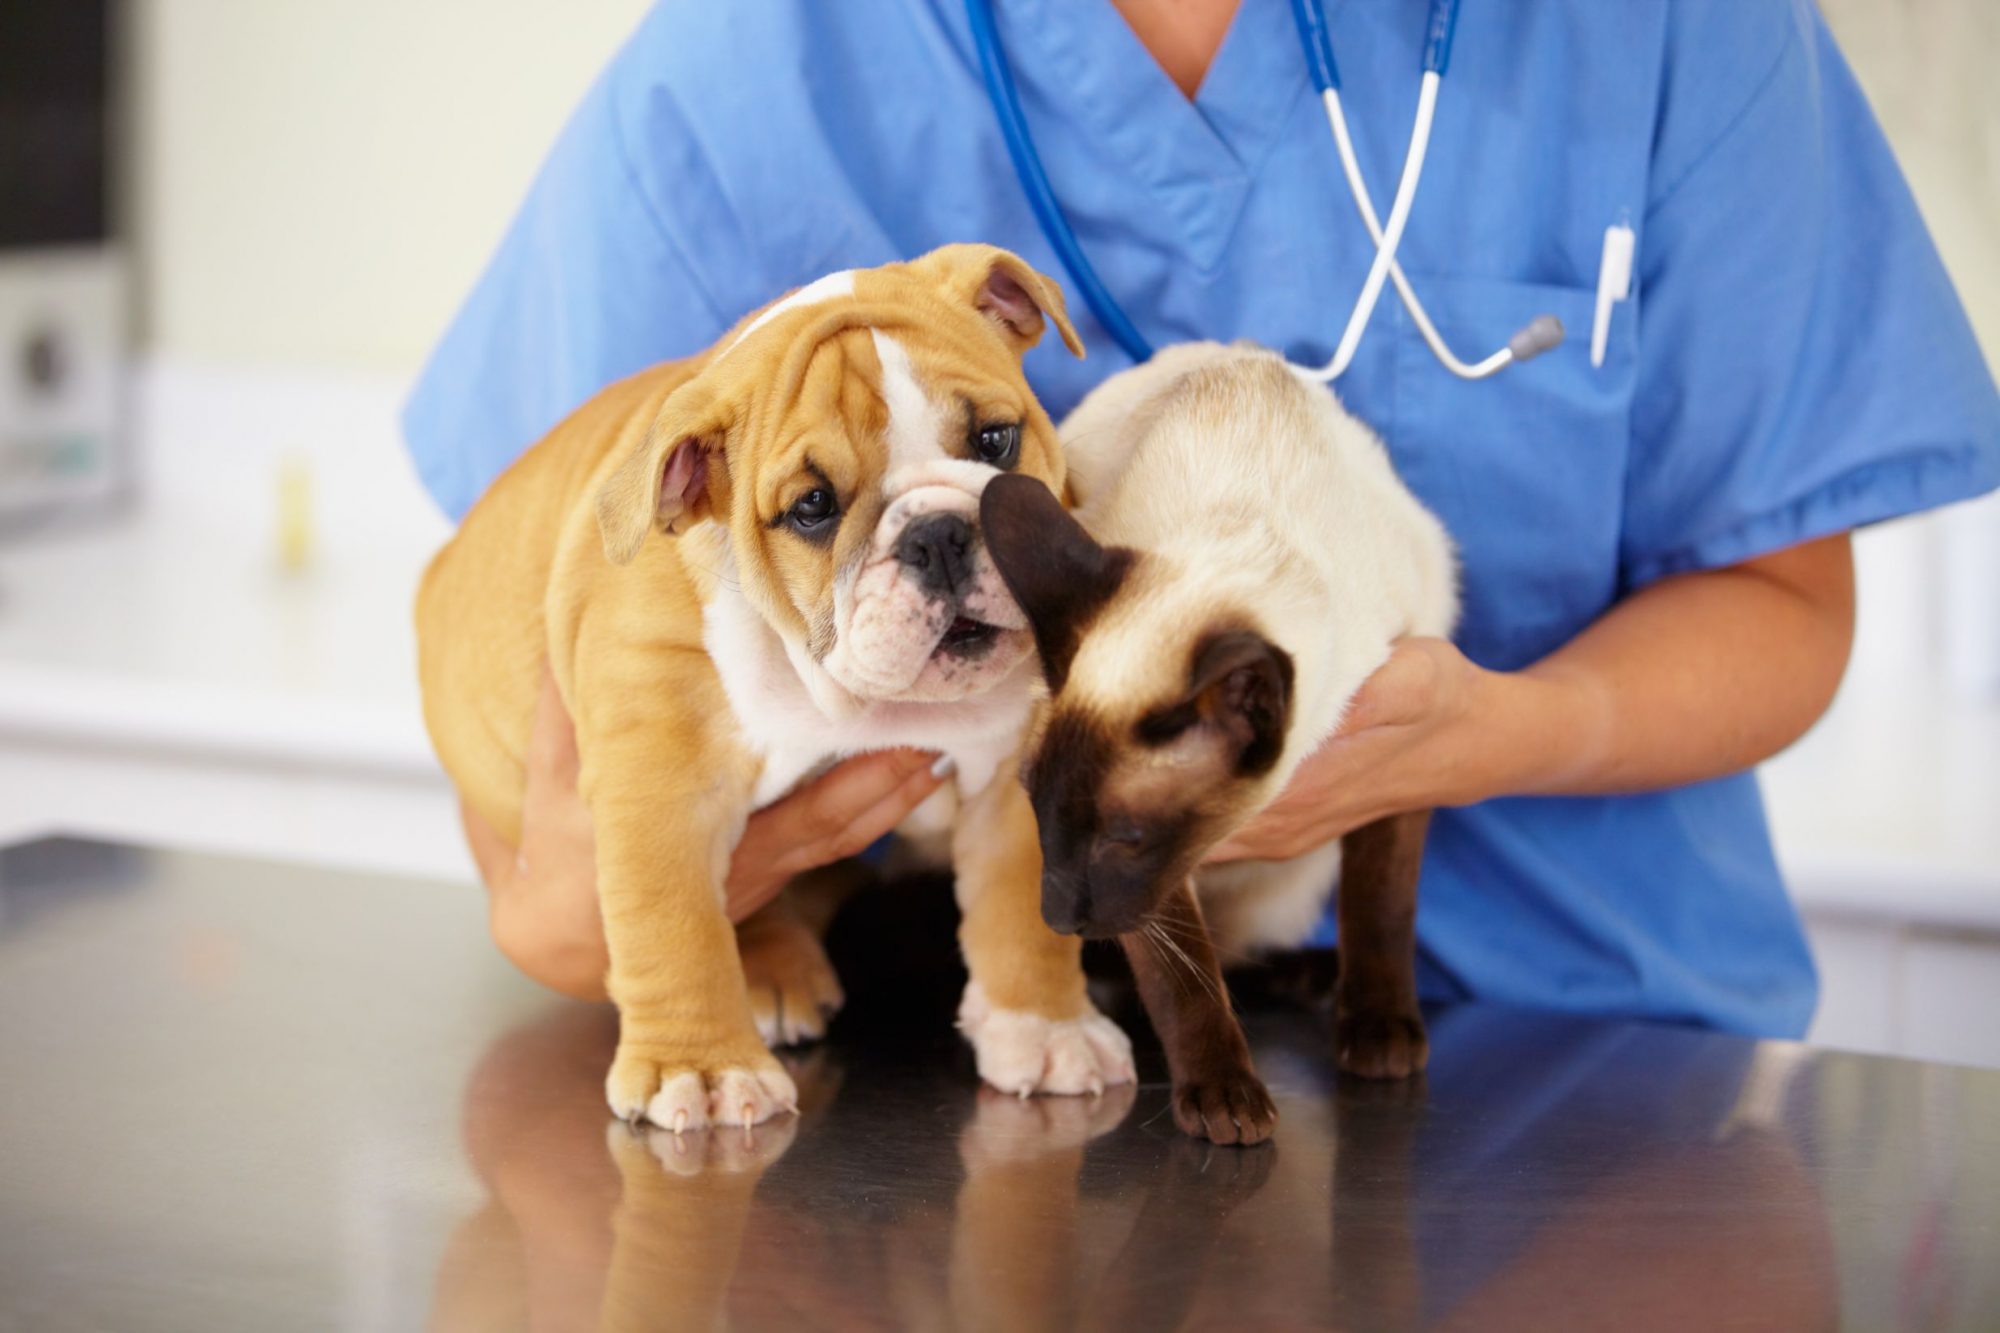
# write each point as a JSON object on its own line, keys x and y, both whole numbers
{"x": 1614, "y": 284}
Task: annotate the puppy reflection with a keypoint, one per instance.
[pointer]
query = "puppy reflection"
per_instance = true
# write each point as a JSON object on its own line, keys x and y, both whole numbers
{"x": 1015, "y": 1224}
{"x": 993, "y": 1212}
{"x": 585, "y": 1228}
{"x": 678, "y": 1230}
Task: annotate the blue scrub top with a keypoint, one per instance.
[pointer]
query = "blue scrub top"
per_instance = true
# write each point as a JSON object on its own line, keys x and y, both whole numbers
{"x": 1793, "y": 362}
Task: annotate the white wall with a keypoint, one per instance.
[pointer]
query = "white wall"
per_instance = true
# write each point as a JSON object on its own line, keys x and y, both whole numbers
{"x": 1927, "y": 66}
{"x": 1929, "y": 628}
{"x": 319, "y": 181}
{"x": 1930, "y": 589}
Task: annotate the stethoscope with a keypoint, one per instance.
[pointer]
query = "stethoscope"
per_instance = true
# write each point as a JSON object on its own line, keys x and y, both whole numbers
{"x": 1532, "y": 339}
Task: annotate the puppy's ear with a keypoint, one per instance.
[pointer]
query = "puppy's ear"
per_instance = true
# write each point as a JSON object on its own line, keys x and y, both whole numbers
{"x": 1239, "y": 691}
{"x": 1057, "y": 572}
{"x": 1001, "y": 286}
{"x": 675, "y": 478}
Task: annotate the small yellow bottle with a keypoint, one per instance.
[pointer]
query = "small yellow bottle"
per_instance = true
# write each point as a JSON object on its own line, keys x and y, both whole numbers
{"x": 295, "y": 514}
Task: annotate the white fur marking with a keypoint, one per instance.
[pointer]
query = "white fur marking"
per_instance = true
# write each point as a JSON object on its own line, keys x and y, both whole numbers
{"x": 1025, "y": 1053}
{"x": 915, "y": 425}
{"x": 819, "y": 289}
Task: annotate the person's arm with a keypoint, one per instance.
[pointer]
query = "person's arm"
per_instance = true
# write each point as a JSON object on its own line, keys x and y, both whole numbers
{"x": 542, "y": 898}
{"x": 1803, "y": 367}
{"x": 1690, "y": 678}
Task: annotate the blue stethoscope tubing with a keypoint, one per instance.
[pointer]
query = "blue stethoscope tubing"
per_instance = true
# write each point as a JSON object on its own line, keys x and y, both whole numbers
{"x": 1536, "y": 337}
{"x": 1006, "y": 99}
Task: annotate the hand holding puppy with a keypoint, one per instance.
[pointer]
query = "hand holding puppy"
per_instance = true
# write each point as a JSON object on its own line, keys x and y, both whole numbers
{"x": 544, "y": 913}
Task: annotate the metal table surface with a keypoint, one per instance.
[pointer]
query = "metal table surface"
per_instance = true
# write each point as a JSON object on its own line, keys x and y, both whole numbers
{"x": 243, "y": 1096}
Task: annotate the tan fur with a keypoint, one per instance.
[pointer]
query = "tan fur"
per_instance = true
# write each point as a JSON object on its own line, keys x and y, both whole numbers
{"x": 994, "y": 845}
{"x": 1031, "y": 1025}
{"x": 557, "y": 562}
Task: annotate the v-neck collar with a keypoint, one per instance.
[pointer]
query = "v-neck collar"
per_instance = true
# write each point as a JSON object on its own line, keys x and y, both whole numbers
{"x": 1197, "y": 158}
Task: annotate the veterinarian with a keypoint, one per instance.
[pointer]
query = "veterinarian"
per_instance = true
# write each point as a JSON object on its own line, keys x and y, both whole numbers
{"x": 1652, "y": 516}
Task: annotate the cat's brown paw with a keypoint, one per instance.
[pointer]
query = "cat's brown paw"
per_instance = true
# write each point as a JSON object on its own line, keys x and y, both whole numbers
{"x": 1228, "y": 1105}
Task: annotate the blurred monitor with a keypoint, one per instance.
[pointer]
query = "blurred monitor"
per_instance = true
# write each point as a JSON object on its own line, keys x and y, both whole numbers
{"x": 64, "y": 304}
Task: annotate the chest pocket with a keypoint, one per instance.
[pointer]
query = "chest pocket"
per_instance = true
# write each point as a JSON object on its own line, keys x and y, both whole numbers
{"x": 1525, "y": 469}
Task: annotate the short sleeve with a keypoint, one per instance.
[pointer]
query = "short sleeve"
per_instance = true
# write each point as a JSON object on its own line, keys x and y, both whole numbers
{"x": 1805, "y": 365}
{"x": 589, "y": 285}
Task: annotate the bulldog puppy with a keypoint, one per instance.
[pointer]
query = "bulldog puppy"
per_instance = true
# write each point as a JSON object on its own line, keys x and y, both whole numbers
{"x": 1246, "y": 558}
{"x": 741, "y": 567}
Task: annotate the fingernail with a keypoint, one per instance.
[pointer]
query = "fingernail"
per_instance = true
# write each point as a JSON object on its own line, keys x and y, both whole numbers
{"x": 944, "y": 767}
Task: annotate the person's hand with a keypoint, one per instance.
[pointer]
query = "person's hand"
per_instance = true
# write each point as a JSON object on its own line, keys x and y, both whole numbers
{"x": 836, "y": 815}
{"x": 1414, "y": 737}
{"x": 543, "y": 896}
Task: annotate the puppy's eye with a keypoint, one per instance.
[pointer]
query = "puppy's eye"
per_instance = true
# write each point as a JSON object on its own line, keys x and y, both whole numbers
{"x": 998, "y": 444}
{"x": 812, "y": 512}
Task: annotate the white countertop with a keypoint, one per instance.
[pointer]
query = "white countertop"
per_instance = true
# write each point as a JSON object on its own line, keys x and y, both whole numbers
{"x": 174, "y": 628}
{"x": 174, "y": 624}
{"x": 151, "y": 634}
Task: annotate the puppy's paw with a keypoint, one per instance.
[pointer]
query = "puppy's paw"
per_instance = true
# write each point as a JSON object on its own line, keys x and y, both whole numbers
{"x": 794, "y": 991}
{"x": 677, "y": 1093}
{"x": 1024, "y": 1053}
{"x": 1227, "y": 1105}
{"x": 1375, "y": 1043}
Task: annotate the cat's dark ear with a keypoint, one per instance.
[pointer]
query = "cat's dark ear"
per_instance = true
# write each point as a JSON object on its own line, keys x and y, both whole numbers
{"x": 1058, "y": 573}
{"x": 1239, "y": 692}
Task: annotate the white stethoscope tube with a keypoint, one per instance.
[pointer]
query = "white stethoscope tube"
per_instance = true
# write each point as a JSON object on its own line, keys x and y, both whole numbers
{"x": 1536, "y": 337}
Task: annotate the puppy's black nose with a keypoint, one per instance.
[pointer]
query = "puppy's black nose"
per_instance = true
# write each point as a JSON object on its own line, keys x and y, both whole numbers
{"x": 938, "y": 550}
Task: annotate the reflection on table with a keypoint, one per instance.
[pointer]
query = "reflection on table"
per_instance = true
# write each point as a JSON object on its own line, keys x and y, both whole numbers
{"x": 242, "y": 1095}
{"x": 1572, "y": 1174}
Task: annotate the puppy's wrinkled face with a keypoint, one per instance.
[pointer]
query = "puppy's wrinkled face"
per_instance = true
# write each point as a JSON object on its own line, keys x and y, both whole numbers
{"x": 867, "y": 517}
{"x": 867, "y": 414}
{"x": 1167, "y": 713}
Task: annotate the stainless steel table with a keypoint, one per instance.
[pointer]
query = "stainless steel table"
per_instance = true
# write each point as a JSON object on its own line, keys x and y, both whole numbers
{"x": 243, "y": 1096}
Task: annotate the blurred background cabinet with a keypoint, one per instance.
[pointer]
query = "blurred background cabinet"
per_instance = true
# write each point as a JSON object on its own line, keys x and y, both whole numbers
{"x": 64, "y": 272}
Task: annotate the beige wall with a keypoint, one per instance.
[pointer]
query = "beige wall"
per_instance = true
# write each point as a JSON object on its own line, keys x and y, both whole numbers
{"x": 1928, "y": 68}
{"x": 319, "y": 181}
